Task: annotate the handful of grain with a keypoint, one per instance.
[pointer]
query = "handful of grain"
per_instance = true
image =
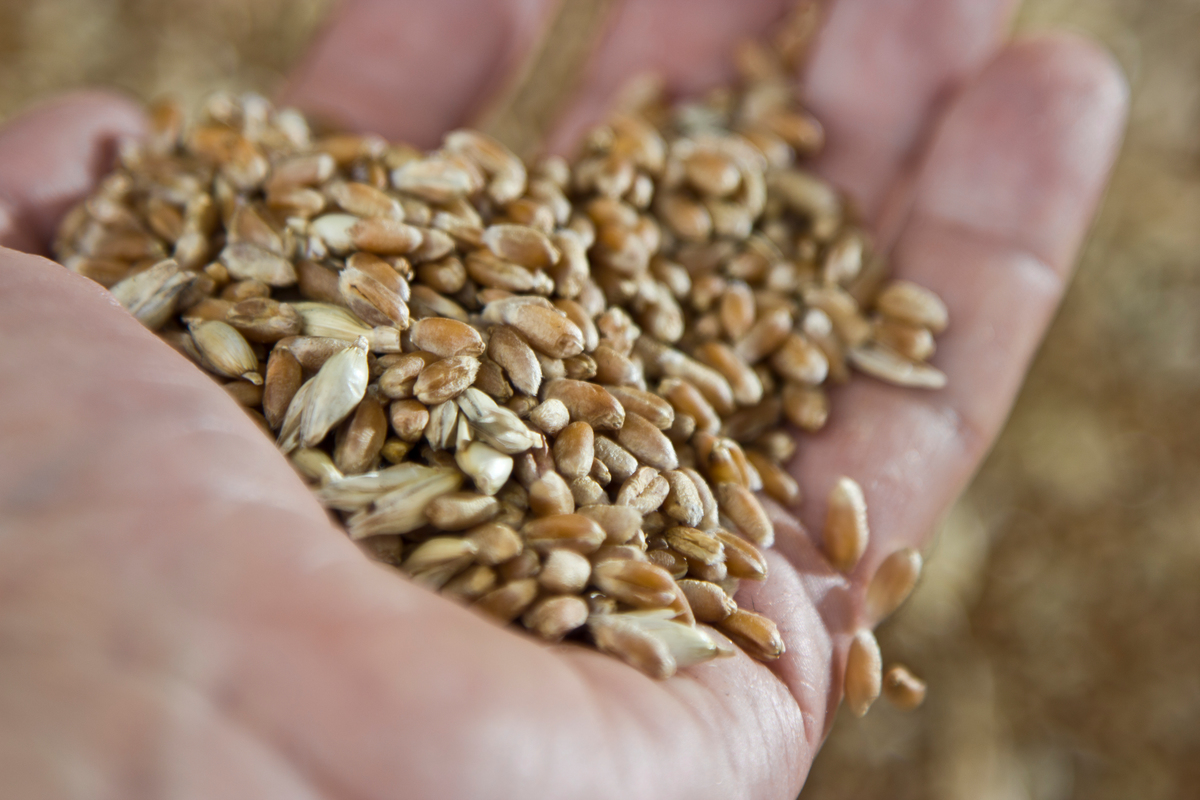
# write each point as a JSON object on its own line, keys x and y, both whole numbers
{"x": 550, "y": 391}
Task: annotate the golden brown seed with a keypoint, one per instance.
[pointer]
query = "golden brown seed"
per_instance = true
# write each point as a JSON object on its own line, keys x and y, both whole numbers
{"x": 687, "y": 400}
{"x": 552, "y": 618}
{"x": 587, "y": 402}
{"x": 798, "y": 359}
{"x": 264, "y": 320}
{"x": 915, "y": 344}
{"x": 806, "y": 407}
{"x": 844, "y": 538}
{"x": 495, "y": 543}
{"x": 446, "y": 379}
{"x": 565, "y": 572}
{"x": 470, "y": 584}
{"x": 864, "y": 673}
{"x": 777, "y": 483}
{"x": 445, "y": 338}
{"x": 437, "y": 560}
{"x": 574, "y": 450}
{"x": 373, "y": 290}
{"x": 903, "y": 690}
{"x": 695, "y": 545}
{"x": 683, "y": 502}
{"x": 509, "y": 601}
{"x": 550, "y": 495}
{"x": 522, "y": 245}
{"x": 708, "y": 601}
{"x": 317, "y": 283}
{"x": 655, "y": 409}
{"x": 708, "y": 501}
{"x": 743, "y": 509}
{"x": 246, "y": 394}
{"x": 571, "y": 531}
{"x": 892, "y": 583}
{"x": 619, "y": 462}
{"x": 765, "y": 336}
{"x": 620, "y": 523}
{"x": 644, "y": 491}
{"x": 754, "y": 633}
{"x": 747, "y": 388}
{"x": 907, "y": 302}
{"x": 455, "y": 511}
{"x": 508, "y": 349}
{"x": 637, "y": 583}
{"x": 639, "y": 649}
{"x": 361, "y": 439}
{"x": 394, "y": 451}
{"x": 283, "y": 380}
{"x": 674, "y": 563}
{"x": 647, "y": 443}
{"x": 547, "y": 331}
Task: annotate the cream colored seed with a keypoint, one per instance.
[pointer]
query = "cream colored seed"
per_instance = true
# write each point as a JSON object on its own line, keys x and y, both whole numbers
{"x": 892, "y": 583}
{"x": 845, "y": 535}
{"x": 495, "y": 543}
{"x": 552, "y": 618}
{"x": 644, "y": 491}
{"x": 619, "y": 523}
{"x": 337, "y": 390}
{"x": 907, "y": 302}
{"x": 551, "y": 416}
{"x": 225, "y": 351}
{"x": 565, "y": 572}
{"x": 470, "y": 584}
{"x": 509, "y": 601}
{"x": 864, "y": 673}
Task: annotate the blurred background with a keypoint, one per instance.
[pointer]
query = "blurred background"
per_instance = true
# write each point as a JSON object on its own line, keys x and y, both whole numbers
{"x": 1058, "y": 623}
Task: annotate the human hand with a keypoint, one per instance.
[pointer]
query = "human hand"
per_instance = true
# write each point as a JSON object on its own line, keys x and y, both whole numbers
{"x": 178, "y": 617}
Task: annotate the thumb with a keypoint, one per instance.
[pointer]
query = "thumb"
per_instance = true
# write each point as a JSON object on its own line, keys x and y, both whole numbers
{"x": 52, "y": 155}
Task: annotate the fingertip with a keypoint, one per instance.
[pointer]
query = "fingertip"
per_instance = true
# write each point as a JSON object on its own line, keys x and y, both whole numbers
{"x": 54, "y": 153}
{"x": 1024, "y": 154}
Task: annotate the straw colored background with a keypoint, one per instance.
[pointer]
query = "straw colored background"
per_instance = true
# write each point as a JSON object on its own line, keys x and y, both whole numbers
{"x": 1058, "y": 621}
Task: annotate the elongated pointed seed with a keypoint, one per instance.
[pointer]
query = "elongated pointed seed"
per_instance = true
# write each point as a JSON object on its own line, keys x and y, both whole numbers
{"x": 903, "y": 690}
{"x": 845, "y": 536}
{"x": 337, "y": 389}
{"x": 226, "y": 351}
{"x": 864, "y": 673}
{"x": 892, "y": 584}
{"x": 151, "y": 295}
{"x": 754, "y": 633}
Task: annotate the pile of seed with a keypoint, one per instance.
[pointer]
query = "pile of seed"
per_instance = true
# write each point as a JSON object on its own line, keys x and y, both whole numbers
{"x": 553, "y": 392}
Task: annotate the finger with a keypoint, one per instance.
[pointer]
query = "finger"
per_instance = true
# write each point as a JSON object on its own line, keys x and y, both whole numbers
{"x": 52, "y": 155}
{"x": 877, "y": 75}
{"x": 1013, "y": 177}
{"x": 411, "y": 70}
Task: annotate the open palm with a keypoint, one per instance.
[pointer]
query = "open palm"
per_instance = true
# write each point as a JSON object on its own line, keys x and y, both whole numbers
{"x": 178, "y": 617}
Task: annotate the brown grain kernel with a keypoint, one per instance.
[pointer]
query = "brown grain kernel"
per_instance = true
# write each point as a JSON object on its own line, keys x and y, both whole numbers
{"x": 280, "y": 386}
{"x": 743, "y": 509}
{"x": 470, "y": 584}
{"x": 903, "y": 690}
{"x": 587, "y": 492}
{"x": 550, "y": 495}
{"x": 552, "y": 618}
{"x": 687, "y": 399}
{"x": 509, "y": 601}
{"x": 455, "y": 511}
{"x": 571, "y": 531}
{"x": 907, "y": 302}
{"x": 620, "y": 523}
{"x": 892, "y": 583}
{"x": 657, "y": 411}
{"x": 635, "y": 647}
{"x": 637, "y": 583}
{"x": 864, "y": 673}
{"x": 674, "y": 563}
{"x": 264, "y": 320}
{"x": 747, "y": 389}
{"x": 644, "y": 490}
{"x": 683, "y": 502}
{"x": 361, "y": 438}
{"x": 754, "y": 633}
{"x": 844, "y": 538}
{"x": 806, "y": 407}
{"x": 565, "y": 572}
{"x": 437, "y": 560}
{"x": 495, "y": 543}
{"x": 647, "y": 443}
{"x": 777, "y": 483}
{"x": 707, "y": 600}
{"x": 909, "y": 341}
{"x": 445, "y": 338}
{"x": 708, "y": 501}
{"x": 574, "y": 450}
{"x": 547, "y": 330}
{"x": 446, "y": 379}
{"x": 887, "y": 365}
{"x": 587, "y": 402}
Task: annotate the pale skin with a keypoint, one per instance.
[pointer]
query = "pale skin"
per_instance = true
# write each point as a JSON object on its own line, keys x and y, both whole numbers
{"x": 178, "y": 617}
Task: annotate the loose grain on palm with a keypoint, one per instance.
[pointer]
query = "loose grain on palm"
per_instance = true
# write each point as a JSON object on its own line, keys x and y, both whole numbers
{"x": 555, "y": 392}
